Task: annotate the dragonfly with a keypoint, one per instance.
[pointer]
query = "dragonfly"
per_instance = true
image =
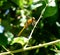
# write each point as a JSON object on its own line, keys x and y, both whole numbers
{"x": 29, "y": 22}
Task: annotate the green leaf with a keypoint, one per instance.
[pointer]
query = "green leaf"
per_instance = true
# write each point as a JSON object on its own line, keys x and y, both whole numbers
{"x": 9, "y": 36}
{"x": 50, "y": 11}
{"x": 21, "y": 40}
{"x": 6, "y": 24}
{"x": 20, "y": 3}
{"x": 1, "y": 3}
{"x": 30, "y": 2}
{"x": 58, "y": 53}
{"x": 58, "y": 45}
{"x": 3, "y": 39}
{"x": 18, "y": 12}
{"x": 36, "y": 6}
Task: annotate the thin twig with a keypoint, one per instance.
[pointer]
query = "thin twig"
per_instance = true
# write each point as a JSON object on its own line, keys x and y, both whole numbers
{"x": 7, "y": 50}
{"x": 33, "y": 47}
{"x": 37, "y": 22}
{"x": 30, "y": 36}
{"x": 57, "y": 51}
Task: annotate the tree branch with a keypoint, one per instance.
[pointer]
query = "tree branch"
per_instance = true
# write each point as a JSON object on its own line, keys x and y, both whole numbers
{"x": 33, "y": 47}
{"x": 7, "y": 50}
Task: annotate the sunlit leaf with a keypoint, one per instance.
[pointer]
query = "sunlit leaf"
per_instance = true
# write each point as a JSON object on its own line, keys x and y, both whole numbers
{"x": 9, "y": 36}
{"x": 51, "y": 3}
{"x": 35, "y": 1}
{"x": 21, "y": 40}
{"x": 30, "y": 2}
{"x": 58, "y": 53}
{"x": 58, "y": 24}
{"x": 36, "y": 6}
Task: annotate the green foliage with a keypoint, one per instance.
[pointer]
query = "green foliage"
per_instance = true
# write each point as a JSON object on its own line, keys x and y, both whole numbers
{"x": 14, "y": 15}
{"x": 50, "y": 11}
{"x": 21, "y": 40}
{"x": 3, "y": 40}
{"x": 57, "y": 53}
{"x": 6, "y": 23}
{"x": 19, "y": 2}
{"x": 9, "y": 36}
{"x": 1, "y": 3}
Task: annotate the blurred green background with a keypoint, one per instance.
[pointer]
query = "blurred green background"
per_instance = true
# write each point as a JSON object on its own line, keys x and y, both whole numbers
{"x": 15, "y": 13}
